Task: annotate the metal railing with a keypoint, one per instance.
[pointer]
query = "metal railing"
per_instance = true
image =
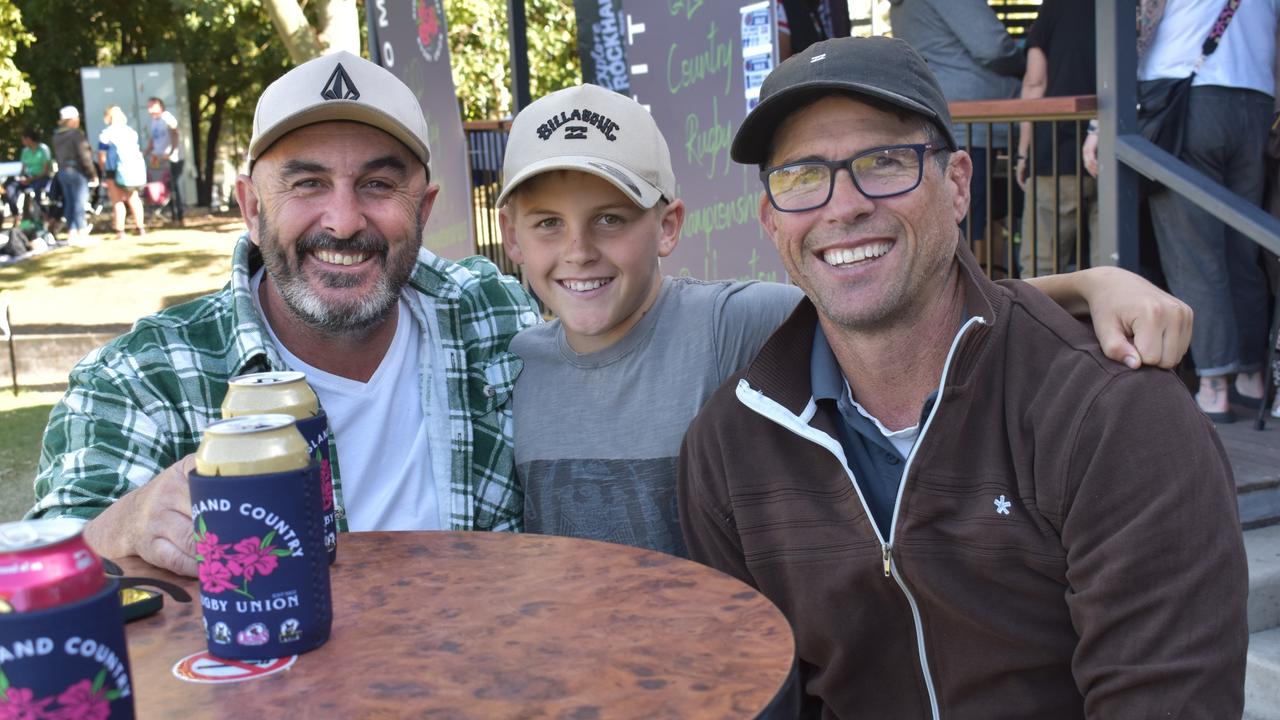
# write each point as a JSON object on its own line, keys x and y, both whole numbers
{"x": 1007, "y": 242}
{"x": 486, "y": 144}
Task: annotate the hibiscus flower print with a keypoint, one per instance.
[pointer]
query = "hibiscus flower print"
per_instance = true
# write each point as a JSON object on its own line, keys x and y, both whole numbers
{"x": 215, "y": 577}
{"x": 326, "y": 486}
{"x": 21, "y": 704}
{"x": 253, "y": 556}
{"x": 82, "y": 702}
{"x": 210, "y": 549}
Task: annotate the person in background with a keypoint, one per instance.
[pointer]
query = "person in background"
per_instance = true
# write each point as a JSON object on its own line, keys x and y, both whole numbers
{"x": 37, "y": 173}
{"x": 1060, "y": 62}
{"x": 124, "y": 167}
{"x": 974, "y": 58}
{"x": 1211, "y": 267}
{"x": 76, "y": 172}
{"x": 164, "y": 152}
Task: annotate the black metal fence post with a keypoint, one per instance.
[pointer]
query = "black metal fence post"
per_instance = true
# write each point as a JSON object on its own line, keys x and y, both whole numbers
{"x": 1117, "y": 115}
{"x": 519, "y": 28}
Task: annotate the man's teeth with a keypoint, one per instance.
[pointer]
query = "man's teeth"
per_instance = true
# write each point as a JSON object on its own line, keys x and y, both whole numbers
{"x": 848, "y": 256}
{"x": 337, "y": 258}
{"x": 583, "y": 285}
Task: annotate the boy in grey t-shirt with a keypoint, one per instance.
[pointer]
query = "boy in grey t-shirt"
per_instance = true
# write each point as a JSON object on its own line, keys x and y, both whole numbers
{"x": 609, "y": 387}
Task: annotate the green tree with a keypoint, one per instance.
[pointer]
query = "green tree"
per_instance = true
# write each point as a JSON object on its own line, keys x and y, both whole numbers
{"x": 15, "y": 91}
{"x": 478, "y": 32}
{"x": 229, "y": 49}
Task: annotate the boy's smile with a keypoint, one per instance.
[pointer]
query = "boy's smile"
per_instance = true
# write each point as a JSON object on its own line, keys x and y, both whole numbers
{"x": 589, "y": 252}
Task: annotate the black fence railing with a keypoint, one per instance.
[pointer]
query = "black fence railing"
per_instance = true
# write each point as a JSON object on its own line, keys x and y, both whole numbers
{"x": 486, "y": 145}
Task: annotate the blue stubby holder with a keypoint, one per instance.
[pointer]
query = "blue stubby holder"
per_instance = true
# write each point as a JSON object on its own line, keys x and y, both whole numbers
{"x": 263, "y": 567}
{"x": 315, "y": 431}
{"x": 67, "y": 661}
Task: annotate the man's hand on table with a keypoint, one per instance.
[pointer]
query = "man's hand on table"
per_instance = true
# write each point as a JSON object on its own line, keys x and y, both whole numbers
{"x": 152, "y": 522}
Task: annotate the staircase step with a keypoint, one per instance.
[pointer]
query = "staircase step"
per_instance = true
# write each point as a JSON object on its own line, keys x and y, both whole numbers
{"x": 1262, "y": 677}
{"x": 1262, "y": 546}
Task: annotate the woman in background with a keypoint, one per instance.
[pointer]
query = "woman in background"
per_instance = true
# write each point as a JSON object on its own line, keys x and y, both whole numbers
{"x": 124, "y": 168}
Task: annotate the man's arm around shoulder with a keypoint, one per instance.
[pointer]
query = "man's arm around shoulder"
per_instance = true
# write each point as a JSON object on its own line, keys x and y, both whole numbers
{"x": 1155, "y": 558}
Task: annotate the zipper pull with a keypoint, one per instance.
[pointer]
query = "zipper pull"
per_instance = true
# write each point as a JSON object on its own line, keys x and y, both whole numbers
{"x": 887, "y": 571}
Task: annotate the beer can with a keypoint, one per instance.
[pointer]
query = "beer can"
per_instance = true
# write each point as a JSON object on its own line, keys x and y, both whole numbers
{"x": 251, "y": 445}
{"x": 263, "y": 569}
{"x": 270, "y": 392}
{"x": 287, "y": 392}
{"x": 46, "y": 564}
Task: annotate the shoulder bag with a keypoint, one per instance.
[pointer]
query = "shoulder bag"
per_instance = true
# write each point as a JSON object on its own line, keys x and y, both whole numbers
{"x": 1162, "y": 104}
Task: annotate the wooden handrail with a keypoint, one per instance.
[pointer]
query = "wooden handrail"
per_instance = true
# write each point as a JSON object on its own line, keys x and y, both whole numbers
{"x": 1018, "y": 109}
{"x": 472, "y": 125}
{"x": 961, "y": 111}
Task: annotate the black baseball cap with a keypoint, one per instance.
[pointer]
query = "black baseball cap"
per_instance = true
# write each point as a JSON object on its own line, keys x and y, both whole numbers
{"x": 884, "y": 68}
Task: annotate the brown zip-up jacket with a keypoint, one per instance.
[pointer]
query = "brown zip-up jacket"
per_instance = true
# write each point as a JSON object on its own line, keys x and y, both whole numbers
{"x": 1065, "y": 542}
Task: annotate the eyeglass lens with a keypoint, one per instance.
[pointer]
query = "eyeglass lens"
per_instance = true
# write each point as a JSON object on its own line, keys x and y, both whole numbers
{"x": 879, "y": 173}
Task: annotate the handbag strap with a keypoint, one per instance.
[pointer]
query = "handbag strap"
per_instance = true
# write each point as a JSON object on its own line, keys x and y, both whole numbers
{"x": 1219, "y": 28}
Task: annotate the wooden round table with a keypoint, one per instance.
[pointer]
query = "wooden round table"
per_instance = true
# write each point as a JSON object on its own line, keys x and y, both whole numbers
{"x": 497, "y": 625}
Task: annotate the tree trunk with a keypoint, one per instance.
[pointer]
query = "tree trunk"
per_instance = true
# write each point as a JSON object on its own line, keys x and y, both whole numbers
{"x": 300, "y": 39}
{"x": 204, "y": 180}
{"x": 193, "y": 163}
{"x": 339, "y": 26}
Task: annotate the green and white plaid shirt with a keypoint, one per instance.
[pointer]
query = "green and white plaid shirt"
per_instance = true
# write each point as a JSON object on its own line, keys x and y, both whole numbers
{"x": 139, "y": 403}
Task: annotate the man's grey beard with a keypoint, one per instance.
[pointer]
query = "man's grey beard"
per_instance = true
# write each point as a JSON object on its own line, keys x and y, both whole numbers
{"x": 338, "y": 318}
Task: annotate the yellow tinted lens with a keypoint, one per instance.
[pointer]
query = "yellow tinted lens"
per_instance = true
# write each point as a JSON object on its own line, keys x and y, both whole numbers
{"x": 799, "y": 186}
{"x": 886, "y": 172}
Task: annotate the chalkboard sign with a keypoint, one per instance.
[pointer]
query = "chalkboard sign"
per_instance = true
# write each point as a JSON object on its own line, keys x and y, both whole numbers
{"x": 408, "y": 37}
{"x": 698, "y": 65}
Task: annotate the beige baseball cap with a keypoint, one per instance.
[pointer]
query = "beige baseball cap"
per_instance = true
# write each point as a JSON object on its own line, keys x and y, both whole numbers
{"x": 594, "y": 130}
{"x": 339, "y": 86}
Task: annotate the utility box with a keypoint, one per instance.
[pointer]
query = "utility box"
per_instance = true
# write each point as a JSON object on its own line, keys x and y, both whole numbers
{"x": 130, "y": 86}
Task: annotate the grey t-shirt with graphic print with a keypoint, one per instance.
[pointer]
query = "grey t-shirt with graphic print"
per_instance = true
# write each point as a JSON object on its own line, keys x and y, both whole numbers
{"x": 597, "y": 434}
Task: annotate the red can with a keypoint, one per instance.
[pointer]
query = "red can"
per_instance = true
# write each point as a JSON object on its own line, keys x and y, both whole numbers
{"x": 45, "y": 564}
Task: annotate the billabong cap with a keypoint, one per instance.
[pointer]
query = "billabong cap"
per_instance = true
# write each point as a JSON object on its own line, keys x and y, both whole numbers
{"x": 594, "y": 130}
{"x": 884, "y": 68}
{"x": 339, "y": 86}
{"x": 68, "y": 112}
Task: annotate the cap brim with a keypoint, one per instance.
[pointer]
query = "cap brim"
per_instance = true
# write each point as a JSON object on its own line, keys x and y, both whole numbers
{"x": 752, "y": 143}
{"x": 639, "y": 190}
{"x": 339, "y": 110}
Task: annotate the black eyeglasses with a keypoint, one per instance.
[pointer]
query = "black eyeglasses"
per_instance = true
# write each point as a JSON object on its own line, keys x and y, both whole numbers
{"x": 877, "y": 173}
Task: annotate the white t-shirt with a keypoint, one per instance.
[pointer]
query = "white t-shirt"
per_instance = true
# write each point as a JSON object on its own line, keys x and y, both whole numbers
{"x": 384, "y": 455}
{"x": 1245, "y": 55}
{"x": 160, "y": 127}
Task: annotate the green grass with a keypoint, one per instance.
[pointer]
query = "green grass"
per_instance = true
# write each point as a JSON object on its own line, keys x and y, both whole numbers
{"x": 22, "y": 421}
{"x": 115, "y": 282}
{"x": 104, "y": 286}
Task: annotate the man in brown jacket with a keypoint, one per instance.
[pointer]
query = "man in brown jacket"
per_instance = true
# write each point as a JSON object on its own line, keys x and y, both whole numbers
{"x": 964, "y": 509}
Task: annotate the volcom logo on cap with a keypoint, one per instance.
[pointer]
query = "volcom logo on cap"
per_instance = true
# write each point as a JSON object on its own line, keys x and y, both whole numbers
{"x": 339, "y": 86}
{"x": 578, "y": 132}
{"x": 622, "y": 177}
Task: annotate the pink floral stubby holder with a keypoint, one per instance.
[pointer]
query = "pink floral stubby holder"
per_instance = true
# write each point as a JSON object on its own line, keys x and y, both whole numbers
{"x": 68, "y": 661}
{"x": 263, "y": 567}
{"x": 315, "y": 431}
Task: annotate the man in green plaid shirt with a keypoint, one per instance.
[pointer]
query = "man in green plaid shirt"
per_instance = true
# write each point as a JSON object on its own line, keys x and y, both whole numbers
{"x": 407, "y": 351}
